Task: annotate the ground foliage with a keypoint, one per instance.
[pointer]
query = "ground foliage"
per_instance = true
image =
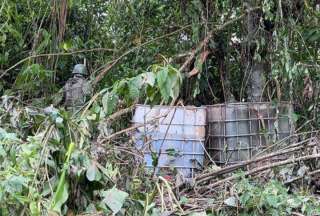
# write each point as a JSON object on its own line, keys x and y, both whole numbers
{"x": 56, "y": 162}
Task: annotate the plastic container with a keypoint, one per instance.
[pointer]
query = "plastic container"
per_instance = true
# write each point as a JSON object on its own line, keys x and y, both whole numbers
{"x": 174, "y": 135}
{"x": 238, "y": 131}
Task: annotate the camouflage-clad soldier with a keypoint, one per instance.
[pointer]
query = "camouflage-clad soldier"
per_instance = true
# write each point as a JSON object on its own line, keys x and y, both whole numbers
{"x": 77, "y": 88}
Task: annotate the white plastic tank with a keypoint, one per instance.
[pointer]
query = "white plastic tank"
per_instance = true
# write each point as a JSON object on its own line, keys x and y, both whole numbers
{"x": 173, "y": 135}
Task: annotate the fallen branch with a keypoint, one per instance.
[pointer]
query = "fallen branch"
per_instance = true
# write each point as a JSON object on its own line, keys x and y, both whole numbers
{"x": 263, "y": 168}
{"x": 301, "y": 177}
{"x": 228, "y": 169}
{"x": 119, "y": 113}
{"x": 124, "y": 131}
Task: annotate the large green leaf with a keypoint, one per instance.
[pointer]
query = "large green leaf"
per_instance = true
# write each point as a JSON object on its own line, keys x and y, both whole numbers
{"x": 149, "y": 78}
{"x": 61, "y": 194}
{"x": 169, "y": 82}
{"x": 109, "y": 102}
{"x": 174, "y": 80}
{"x": 114, "y": 199}
{"x": 15, "y": 184}
{"x": 162, "y": 76}
{"x": 134, "y": 86}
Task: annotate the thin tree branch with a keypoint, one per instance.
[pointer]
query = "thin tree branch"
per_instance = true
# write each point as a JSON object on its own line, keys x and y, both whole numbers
{"x": 203, "y": 43}
{"x": 54, "y": 54}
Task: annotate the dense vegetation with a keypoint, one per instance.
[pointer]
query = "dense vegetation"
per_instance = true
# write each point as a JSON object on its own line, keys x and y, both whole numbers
{"x": 190, "y": 52}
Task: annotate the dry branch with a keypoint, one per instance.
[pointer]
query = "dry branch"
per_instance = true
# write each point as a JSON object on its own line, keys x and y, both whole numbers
{"x": 231, "y": 168}
{"x": 263, "y": 168}
{"x": 203, "y": 58}
{"x": 119, "y": 113}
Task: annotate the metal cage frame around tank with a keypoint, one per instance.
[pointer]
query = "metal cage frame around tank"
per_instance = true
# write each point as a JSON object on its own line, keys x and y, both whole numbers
{"x": 164, "y": 127}
{"x": 238, "y": 131}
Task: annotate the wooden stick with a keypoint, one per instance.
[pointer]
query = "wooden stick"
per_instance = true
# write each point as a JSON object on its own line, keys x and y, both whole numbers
{"x": 119, "y": 113}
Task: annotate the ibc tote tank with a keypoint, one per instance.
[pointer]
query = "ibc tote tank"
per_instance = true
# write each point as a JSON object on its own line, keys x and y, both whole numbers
{"x": 238, "y": 131}
{"x": 177, "y": 134}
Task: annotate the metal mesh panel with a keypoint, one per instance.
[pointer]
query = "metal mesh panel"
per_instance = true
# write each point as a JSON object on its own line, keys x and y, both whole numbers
{"x": 181, "y": 129}
{"x": 237, "y": 131}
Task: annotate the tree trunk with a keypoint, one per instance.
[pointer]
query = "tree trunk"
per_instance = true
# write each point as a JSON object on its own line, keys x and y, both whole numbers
{"x": 256, "y": 66}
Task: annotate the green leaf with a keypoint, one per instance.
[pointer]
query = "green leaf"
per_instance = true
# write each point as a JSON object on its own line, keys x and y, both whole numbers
{"x": 183, "y": 200}
{"x": 169, "y": 81}
{"x": 109, "y": 102}
{"x": 151, "y": 93}
{"x": 67, "y": 45}
{"x": 61, "y": 194}
{"x": 295, "y": 117}
{"x": 34, "y": 209}
{"x": 114, "y": 199}
{"x": 92, "y": 117}
{"x": 109, "y": 170}
{"x": 15, "y": 184}
{"x": 134, "y": 86}
{"x": 149, "y": 78}
{"x": 155, "y": 159}
{"x": 175, "y": 80}
{"x": 93, "y": 173}
{"x": 231, "y": 201}
{"x": 162, "y": 76}
{"x": 172, "y": 152}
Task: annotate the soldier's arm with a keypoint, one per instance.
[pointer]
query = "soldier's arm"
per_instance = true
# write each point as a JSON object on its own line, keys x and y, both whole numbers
{"x": 87, "y": 89}
{"x": 59, "y": 97}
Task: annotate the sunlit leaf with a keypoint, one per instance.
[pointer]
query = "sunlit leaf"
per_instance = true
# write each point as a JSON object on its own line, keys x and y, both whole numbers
{"x": 231, "y": 201}
{"x": 93, "y": 174}
{"x": 149, "y": 78}
{"x": 114, "y": 199}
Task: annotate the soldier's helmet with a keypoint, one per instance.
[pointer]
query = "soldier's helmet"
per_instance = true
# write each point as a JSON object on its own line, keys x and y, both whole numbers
{"x": 80, "y": 69}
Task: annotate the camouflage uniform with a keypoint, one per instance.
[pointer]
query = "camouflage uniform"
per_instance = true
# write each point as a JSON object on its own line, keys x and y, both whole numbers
{"x": 77, "y": 89}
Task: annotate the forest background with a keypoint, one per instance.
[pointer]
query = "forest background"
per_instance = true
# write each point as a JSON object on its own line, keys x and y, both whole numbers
{"x": 191, "y": 52}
